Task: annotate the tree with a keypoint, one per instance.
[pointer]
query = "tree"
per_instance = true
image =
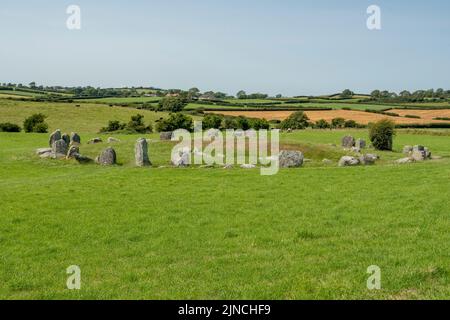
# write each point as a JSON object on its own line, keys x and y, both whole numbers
{"x": 172, "y": 104}
{"x": 174, "y": 122}
{"x": 212, "y": 121}
{"x": 137, "y": 125}
{"x": 32, "y": 84}
{"x": 347, "y": 93}
{"x": 375, "y": 94}
{"x": 338, "y": 122}
{"x": 297, "y": 120}
{"x": 241, "y": 95}
{"x": 381, "y": 134}
{"x": 322, "y": 124}
{"x": 35, "y": 123}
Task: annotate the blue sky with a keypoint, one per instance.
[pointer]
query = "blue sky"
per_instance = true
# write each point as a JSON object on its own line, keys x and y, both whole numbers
{"x": 292, "y": 47}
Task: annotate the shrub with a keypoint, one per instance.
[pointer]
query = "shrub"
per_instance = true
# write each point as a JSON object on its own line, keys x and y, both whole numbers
{"x": 350, "y": 124}
{"x": 212, "y": 121}
{"x": 242, "y": 123}
{"x": 297, "y": 120}
{"x": 338, "y": 122}
{"x": 174, "y": 122}
{"x": 137, "y": 125}
{"x": 35, "y": 123}
{"x": 229, "y": 123}
{"x": 442, "y": 118}
{"x": 381, "y": 134}
{"x": 322, "y": 124}
{"x": 412, "y": 116}
{"x": 260, "y": 124}
{"x": 172, "y": 104}
{"x": 9, "y": 127}
{"x": 113, "y": 125}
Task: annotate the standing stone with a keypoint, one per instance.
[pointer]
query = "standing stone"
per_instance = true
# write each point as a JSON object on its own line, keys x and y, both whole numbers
{"x": 348, "y": 142}
{"x": 183, "y": 159}
{"x": 360, "y": 144}
{"x": 348, "y": 161}
{"x": 107, "y": 158}
{"x": 59, "y": 148}
{"x": 66, "y": 138}
{"x": 166, "y": 136}
{"x": 75, "y": 138}
{"x": 55, "y": 136}
{"x": 141, "y": 153}
{"x": 73, "y": 150}
{"x": 291, "y": 159}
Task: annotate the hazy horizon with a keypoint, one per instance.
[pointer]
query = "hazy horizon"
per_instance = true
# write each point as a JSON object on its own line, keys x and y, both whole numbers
{"x": 275, "y": 47}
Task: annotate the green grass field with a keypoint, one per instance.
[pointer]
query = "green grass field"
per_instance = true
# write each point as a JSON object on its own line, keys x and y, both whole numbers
{"x": 196, "y": 233}
{"x": 121, "y": 100}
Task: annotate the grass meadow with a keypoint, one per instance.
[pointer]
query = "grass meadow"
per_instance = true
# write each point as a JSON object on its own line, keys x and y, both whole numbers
{"x": 197, "y": 233}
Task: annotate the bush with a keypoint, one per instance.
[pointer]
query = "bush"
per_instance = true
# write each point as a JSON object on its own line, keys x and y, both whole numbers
{"x": 322, "y": 124}
{"x": 174, "y": 122}
{"x": 212, "y": 121}
{"x": 295, "y": 121}
{"x": 137, "y": 125}
{"x": 229, "y": 123}
{"x": 381, "y": 134}
{"x": 350, "y": 124}
{"x": 412, "y": 116}
{"x": 9, "y": 127}
{"x": 172, "y": 104}
{"x": 260, "y": 124}
{"x": 113, "y": 125}
{"x": 338, "y": 122}
{"x": 242, "y": 123}
{"x": 35, "y": 123}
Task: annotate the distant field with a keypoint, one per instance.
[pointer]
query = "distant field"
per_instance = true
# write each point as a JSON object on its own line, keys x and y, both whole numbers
{"x": 360, "y": 117}
{"x": 120, "y": 100}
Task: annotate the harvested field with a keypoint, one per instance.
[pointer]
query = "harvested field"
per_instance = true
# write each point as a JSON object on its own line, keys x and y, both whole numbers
{"x": 358, "y": 116}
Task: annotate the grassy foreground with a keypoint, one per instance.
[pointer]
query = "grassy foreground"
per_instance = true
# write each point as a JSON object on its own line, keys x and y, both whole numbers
{"x": 164, "y": 233}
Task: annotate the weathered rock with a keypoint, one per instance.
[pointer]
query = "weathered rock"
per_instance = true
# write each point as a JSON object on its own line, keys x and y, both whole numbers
{"x": 41, "y": 151}
{"x": 59, "y": 148}
{"x": 82, "y": 159}
{"x": 112, "y": 140}
{"x": 141, "y": 153}
{"x": 95, "y": 140}
{"x": 228, "y": 166}
{"x": 291, "y": 159}
{"x": 404, "y": 160}
{"x": 66, "y": 138}
{"x": 368, "y": 159}
{"x": 348, "y": 142}
{"x": 360, "y": 144}
{"x": 166, "y": 136}
{"x": 55, "y": 136}
{"x": 428, "y": 154}
{"x": 107, "y": 158}
{"x": 75, "y": 138}
{"x": 348, "y": 161}
{"x": 407, "y": 149}
{"x": 248, "y": 166}
{"x": 183, "y": 159}
{"x": 73, "y": 150}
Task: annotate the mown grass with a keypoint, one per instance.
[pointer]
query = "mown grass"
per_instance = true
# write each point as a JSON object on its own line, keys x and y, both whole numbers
{"x": 166, "y": 233}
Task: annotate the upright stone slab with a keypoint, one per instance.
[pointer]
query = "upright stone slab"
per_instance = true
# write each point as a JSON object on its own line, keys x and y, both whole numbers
{"x": 66, "y": 138}
{"x": 291, "y": 159}
{"x": 55, "y": 136}
{"x": 107, "y": 158}
{"x": 75, "y": 138}
{"x": 59, "y": 148}
{"x": 141, "y": 153}
{"x": 360, "y": 144}
{"x": 348, "y": 142}
{"x": 73, "y": 151}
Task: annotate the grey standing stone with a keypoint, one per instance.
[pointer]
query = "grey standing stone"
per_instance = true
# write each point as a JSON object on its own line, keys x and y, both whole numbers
{"x": 291, "y": 159}
{"x": 55, "y": 136}
{"x": 348, "y": 161}
{"x": 107, "y": 158}
{"x": 59, "y": 148}
{"x": 141, "y": 153}
{"x": 73, "y": 150}
{"x": 360, "y": 144}
{"x": 348, "y": 142}
{"x": 75, "y": 138}
{"x": 66, "y": 138}
{"x": 166, "y": 136}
